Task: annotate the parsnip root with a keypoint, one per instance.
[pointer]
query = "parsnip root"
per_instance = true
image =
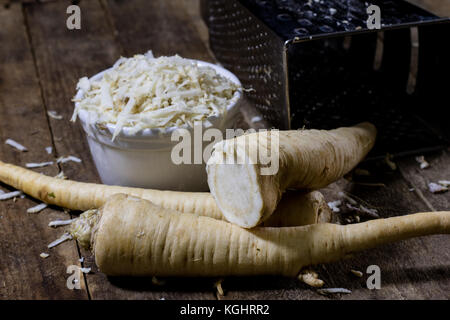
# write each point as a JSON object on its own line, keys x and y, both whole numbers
{"x": 298, "y": 208}
{"x": 308, "y": 160}
{"x": 135, "y": 237}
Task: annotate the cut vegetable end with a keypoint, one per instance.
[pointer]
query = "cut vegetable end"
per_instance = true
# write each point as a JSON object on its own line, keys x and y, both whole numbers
{"x": 237, "y": 182}
{"x": 82, "y": 227}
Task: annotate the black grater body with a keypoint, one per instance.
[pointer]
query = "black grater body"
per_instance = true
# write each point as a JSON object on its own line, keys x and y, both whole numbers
{"x": 315, "y": 64}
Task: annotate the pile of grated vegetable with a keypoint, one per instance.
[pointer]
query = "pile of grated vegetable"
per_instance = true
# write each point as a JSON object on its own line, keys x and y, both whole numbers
{"x": 147, "y": 92}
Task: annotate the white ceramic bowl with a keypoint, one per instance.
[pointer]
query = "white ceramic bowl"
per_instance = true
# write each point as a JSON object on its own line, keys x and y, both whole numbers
{"x": 144, "y": 159}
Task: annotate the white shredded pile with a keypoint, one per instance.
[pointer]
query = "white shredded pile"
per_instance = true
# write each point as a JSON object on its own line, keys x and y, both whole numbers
{"x": 10, "y": 195}
{"x": 37, "y": 208}
{"x": 16, "y": 145}
{"x": 146, "y": 92}
{"x": 39, "y": 165}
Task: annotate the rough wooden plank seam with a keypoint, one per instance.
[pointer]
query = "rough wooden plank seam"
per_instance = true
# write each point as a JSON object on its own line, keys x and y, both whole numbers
{"x": 44, "y": 104}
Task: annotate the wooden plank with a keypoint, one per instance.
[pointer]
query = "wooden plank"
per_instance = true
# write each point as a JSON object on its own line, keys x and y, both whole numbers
{"x": 23, "y": 273}
{"x": 63, "y": 56}
{"x": 166, "y": 27}
{"x": 419, "y": 269}
{"x": 413, "y": 269}
{"x": 438, "y": 7}
{"x": 420, "y": 178}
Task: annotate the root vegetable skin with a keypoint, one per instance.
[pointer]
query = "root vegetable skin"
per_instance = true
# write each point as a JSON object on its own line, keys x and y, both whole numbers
{"x": 298, "y": 208}
{"x": 135, "y": 237}
{"x": 308, "y": 160}
{"x": 84, "y": 196}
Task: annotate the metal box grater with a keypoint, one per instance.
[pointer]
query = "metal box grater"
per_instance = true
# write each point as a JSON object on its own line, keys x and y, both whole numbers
{"x": 315, "y": 64}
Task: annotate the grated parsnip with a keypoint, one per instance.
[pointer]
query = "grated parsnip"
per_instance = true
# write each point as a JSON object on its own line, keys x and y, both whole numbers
{"x": 146, "y": 92}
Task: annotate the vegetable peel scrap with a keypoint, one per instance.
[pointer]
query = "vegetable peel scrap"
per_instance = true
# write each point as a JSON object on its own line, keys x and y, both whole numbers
{"x": 10, "y": 195}
{"x": 422, "y": 162}
{"x": 53, "y": 114}
{"x": 311, "y": 278}
{"x": 64, "y": 237}
{"x": 57, "y": 223}
{"x": 16, "y": 145}
{"x": 437, "y": 188}
{"x": 39, "y": 165}
{"x": 334, "y": 205}
{"x": 333, "y": 291}
{"x": 37, "y": 208}
{"x": 67, "y": 159}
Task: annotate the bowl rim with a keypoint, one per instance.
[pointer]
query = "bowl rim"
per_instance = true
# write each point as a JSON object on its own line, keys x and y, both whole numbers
{"x": 126, "y": 132}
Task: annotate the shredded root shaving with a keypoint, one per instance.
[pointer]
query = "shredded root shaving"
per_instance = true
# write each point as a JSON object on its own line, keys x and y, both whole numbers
{"x": 67, "y": 159}
{"x": 58, "y": 223}
{"x": 64, "y": 237}
{"x": 37, "y": 208}
{"x": 53, "y": 114}
{"x": 10, "y": 195}
{"x": 311, "y": 278}
{"x": 333, "y": 291}
{"x": 146, "y": 92}
{"x": 38, "y": 165}
{"x": 16, "y": 145}
{"x": 218, "y": 286}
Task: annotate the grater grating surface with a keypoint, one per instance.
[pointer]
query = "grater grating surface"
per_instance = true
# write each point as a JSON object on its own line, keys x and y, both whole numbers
{"x": 328, "y": 77}
{"x": 254, "y": 53}
{"x": 303, "y": 18}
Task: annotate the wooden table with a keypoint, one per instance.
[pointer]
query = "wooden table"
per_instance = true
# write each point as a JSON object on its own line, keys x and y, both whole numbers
{"x": 40, "y": 63}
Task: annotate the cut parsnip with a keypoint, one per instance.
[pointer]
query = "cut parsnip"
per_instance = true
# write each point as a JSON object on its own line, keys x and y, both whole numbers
{"x": 299, "y": 208}
{"x": 133, "y": 237}
{"x": 307, "y": 160}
